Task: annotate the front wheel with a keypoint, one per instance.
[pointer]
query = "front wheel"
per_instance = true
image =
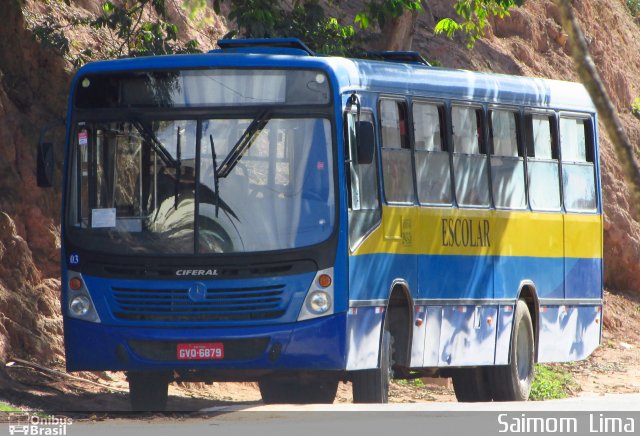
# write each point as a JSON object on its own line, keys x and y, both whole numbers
{"x": 513, "y": 382}
{"x": 148, "y": 391}
{"x": 372, "y": 385}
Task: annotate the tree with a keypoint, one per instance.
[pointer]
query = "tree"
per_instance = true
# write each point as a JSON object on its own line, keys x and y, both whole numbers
{"x": 305, "y": 20}
{"x": 395, "y": 19}
{"x": 126, "y": 29}
{"x": 474, "y": 16}
{"x": 141, "y": 27}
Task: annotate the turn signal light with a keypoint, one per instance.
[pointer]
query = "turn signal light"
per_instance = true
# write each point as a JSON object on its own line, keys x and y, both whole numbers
{"x": 75, "y": 283}
{"x": 324, "y": 280}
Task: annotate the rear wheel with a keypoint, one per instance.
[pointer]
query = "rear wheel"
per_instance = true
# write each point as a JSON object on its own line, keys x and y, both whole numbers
{"x": 288, "y": 391}
{"x": 148, "y": 391}
{"x": 513, "y": 382}
{"x": 471, "y": 385}
{"x": 372, "y": 385}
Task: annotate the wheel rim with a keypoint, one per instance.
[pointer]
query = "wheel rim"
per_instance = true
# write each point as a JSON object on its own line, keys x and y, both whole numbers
{"x": 523, "y": 354}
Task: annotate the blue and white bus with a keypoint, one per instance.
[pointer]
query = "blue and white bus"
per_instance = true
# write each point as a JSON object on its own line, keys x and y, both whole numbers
{"x": 262, "y": 213}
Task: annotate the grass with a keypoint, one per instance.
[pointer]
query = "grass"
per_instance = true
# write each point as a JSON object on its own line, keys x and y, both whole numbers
{"x": 551, "y": 382}
{"x": 416, "y": 382}
{"x": 4, "y": 407}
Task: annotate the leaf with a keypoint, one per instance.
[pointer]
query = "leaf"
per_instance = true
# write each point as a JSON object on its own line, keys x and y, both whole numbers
{"x": 447, "y": 26}
{"x": 635, "y": 107}
{"x": 362, "y": 20}
{"x": 108, "y": 7}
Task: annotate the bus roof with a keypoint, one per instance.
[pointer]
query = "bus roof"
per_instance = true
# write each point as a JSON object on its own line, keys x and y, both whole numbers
{"x": 385, "y": 77}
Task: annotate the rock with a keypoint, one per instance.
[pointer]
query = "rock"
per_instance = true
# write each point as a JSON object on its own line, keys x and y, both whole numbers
{"x": 7, "y": 227}
{"x": 626, "y": 346}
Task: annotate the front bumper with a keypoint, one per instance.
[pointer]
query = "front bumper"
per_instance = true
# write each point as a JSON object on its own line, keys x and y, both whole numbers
{"x": 317, "y": 344}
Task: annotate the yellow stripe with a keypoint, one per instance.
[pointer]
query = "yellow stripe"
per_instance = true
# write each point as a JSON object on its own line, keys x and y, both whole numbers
{"x": 471, "y": 232}
{"x": 583, "y": 235}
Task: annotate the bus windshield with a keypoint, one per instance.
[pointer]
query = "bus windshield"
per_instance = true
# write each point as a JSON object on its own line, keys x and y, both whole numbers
{"x": 260, "y": 182}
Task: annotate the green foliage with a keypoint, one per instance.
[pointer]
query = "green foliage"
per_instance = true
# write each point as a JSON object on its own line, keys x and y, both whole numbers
{"x": 134, "y": 35}
{"x": 474, "y": 16}
{"x": 447, "y": 26}
{"x": 551, "y": 383}
{"x": 635, "y": 107}
{"x": 306, "y": 20}
{"x": 634, "y": 7}
{"x": 194, "y": 7}
{"x": 380, "y": 11}
{"x": 4, "y": 407}
{"x": 51, "y": 35}
{"x": 141, "y": 27}
{"x": 415, "y": 382}
{"x": 134, "y": 28}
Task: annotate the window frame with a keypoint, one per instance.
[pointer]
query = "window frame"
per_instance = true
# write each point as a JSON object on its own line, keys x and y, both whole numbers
{"x": 409, "y": 141}
{"x": 353, "y": 245}
{"x": 443, "y": 113}
{"x": 529, "y": 151}
{"x": 590, "y": 156}
{"x": 481, "y": 123}
{"x": 520, "y": 149}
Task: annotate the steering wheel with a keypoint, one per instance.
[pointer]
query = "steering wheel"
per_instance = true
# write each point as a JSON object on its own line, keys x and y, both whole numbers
{"x": 212, "y": 238}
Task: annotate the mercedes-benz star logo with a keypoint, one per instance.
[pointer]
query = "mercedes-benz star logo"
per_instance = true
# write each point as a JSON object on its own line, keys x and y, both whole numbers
{"x": 198, "y": 292}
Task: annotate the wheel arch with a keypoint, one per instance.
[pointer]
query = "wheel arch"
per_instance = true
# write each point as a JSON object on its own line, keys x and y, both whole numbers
{"x": 529, "y": 294}
{"x": 399, "y": 321}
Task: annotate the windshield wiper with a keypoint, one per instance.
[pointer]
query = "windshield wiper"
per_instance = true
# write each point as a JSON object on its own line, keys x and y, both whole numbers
{"x": 243, "y": 144}
{"x": 215, "y": 173}
{"x": 153, "y": 141}
{"x": 178, "y": 170}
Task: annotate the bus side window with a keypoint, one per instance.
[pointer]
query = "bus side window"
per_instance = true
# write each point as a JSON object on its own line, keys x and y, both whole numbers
{"x": 542, "y": 163}
{"x": 469, "y": 158}
{"x": 396, "y": 152}
{"x": 433, "y": 174}
{"x": 507, "y": 162}
{"x": 364, "y": 204}
{"x": 578, "y": 173}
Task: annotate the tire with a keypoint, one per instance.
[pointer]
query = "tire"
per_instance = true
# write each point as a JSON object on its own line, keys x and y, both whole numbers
{"x": 513, "y": 382}
{"x": 287, "y": 391}
{"x": 148, "y": 392}
{"x": 471, "y": 385}
{"x": 372, "y": 385}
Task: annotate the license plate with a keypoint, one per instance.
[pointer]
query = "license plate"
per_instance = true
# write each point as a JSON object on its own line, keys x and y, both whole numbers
{"x": 200, "y": 351}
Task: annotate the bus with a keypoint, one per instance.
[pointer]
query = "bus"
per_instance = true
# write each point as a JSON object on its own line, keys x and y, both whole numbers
{"x": 262, "y": 213}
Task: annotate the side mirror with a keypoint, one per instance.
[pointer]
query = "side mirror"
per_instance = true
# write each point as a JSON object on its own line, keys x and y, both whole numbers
{"x": 46, "y": 165}
{"x": 366, "y": 142}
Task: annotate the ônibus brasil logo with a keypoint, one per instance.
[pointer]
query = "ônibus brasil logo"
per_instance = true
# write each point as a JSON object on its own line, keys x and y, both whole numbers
{"x": 37, "y": 425}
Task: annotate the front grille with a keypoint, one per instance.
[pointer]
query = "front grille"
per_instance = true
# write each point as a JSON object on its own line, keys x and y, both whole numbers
{"x": 175, "y": 305}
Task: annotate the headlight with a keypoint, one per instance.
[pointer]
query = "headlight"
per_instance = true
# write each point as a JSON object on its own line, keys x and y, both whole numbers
{"x": 79, "y": 302}
{"x": 319, "y": 298}
{"x": 80, "y": 306}
{"x": 319, "y": 302}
